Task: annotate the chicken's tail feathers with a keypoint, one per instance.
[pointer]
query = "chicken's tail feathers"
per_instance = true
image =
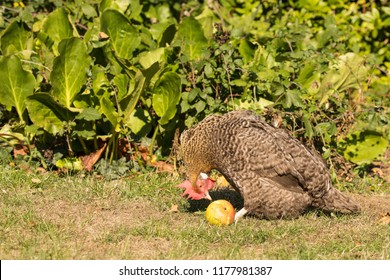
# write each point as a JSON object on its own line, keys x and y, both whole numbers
{"x": 336, "y": 201}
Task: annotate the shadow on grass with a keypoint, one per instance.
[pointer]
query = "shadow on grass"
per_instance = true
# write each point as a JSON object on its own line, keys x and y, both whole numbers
{"x": 236, "y": 200}
{"x": 228, "y": 194}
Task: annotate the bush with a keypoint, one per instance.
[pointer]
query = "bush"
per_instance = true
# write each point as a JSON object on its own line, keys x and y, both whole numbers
{"x": 78, "y": 76}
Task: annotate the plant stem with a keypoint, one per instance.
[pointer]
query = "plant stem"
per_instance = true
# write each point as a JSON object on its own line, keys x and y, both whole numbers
{"x": 153, "y": 139}
{"x": 82, "y": 142}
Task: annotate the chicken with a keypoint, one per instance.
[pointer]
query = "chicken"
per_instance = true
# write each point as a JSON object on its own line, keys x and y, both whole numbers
{"x": 276, "y": 175}
{"x": 203, "y": 185}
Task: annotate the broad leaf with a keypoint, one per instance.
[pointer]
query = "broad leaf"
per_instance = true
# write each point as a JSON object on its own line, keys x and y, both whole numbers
{"x": 56, "y": 27}
{"x": 200, "y": 106}
{"x": 16, "y": 84}
{"x": 45, "y": 112}
{"x": 124, "y": 37}
{"x": 99, "y": 79}
{"x": 87, "y": 133}
{"x": 147, "y": 59}
{"x": 89, "y": 114}
{"x": 128, "y": 104}
{"x": 121, "y": 5}
{"x": 191, "y": 39}
{"x": 363, "y": 147}
{"x": 348, "y": 72}
{"x": 10, "y": 136}
{"x": 166, "y": 95}
{"x": 140, "y": 122}
{"x": 69, "y": 70}
{"x": 309, "y": 77}
{"x": 246, "y": 50}
{"x": 108, "y": 109}
{"x": 206, "y": 19}
{"x": 264, "y": 58}
{"x": 124, "y": 86}
{"x": 293, "y": 99}
{"x": 163, "y": 32}
{"x": 15, "y": 37}
{"x": 88, "y": 10}
{"x": 141, "y": 81}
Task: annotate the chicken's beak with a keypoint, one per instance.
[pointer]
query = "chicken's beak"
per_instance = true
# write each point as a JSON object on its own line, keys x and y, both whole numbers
{"x": 207, "y": 195}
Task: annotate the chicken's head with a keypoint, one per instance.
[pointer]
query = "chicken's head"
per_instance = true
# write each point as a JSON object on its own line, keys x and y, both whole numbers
{"x": 204, "y": 184}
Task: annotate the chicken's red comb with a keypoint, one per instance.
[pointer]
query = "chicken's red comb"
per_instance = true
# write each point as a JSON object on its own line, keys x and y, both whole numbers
{"x": 189, "y": 191}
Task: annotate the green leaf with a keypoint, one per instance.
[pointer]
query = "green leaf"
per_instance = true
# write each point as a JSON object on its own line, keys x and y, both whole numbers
{"x": 199, "y": 106}
{"x": 259, "y": 105}
{"x": 206, "y": 19}
{"x": 74, "y": 164}
{"x": 147, "y": 59}
{"x": 108, "y": 109}
{"x": 246, "y": 50}
{"x": 121, "y": 5}
{"x": 191, "y": 39}
{"x": 140, "y": 122}
{"x": 69, "y": 70}
{"x": 326, "y": 130}
{"x": 8, "y": 135}
{"x": 349, "y": 72}
{"x": 264, "y": 58}
{"x": 166, "y": 95}
{"x": 85, "y": 133}
{"x": 16, "y": 84}
{"x": 122, "y": 82}
{"x": 363, "y": 147}
{"x": 56, "y": 27}
{"x": 308, "y": 126}
{"x": 99, "y": 79}
{"x": 128, "y": 104}
{"x": 89, "y": 114}
{"x": 124, "y": 37}
{"x": 45, "y": 112}
{"x": 308, "y": 76}
{"x": 88, "y": 10}
{"x": 163, "y": 32}
{"x": 293, "y": 99}
{"x": 15, "y": 37}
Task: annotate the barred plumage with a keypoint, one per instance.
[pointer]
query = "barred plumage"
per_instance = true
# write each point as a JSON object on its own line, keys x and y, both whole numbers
{"x": 275, "y": 173}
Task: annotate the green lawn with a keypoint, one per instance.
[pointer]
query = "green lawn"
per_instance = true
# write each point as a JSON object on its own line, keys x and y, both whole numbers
{"x": 48, "y": 216}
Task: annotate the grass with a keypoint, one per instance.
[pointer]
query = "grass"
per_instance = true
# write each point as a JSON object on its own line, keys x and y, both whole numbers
{"x": 47, "y": 216}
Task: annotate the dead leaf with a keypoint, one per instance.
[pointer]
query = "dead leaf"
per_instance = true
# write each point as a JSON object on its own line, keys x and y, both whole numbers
{"x": 385, "y": 219}
{"x": 41, "y": 170}
{"x": 36, "y": 180}
{"x": 144, "y": 153}
{"x": 378, "y": 171}
{"x": 20, "y": 150}
{"x": 277, "y": 121}
{"x": 103, "y": 36}
{"x": 174, "y": 208}
{"x": 163, "y": 166}
{"x": 89, "y": 160}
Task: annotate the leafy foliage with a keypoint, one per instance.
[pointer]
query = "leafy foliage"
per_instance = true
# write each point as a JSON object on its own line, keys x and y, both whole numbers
{"x": 91, "y": 72}
{"x": 17, "y": 84}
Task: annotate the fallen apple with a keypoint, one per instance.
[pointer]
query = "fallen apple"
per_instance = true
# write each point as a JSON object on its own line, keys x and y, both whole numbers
{"x": 220, "y": 212}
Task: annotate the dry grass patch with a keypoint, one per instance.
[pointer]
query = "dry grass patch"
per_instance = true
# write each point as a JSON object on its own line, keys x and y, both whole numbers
{"x": 89, "y": 218}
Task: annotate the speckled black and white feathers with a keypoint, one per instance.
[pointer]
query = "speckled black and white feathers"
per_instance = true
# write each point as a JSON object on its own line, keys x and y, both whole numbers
{"x": 275, "y": 173}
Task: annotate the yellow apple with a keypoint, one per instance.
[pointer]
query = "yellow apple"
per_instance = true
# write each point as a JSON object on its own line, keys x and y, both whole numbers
{"x": 220, "y": 212}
